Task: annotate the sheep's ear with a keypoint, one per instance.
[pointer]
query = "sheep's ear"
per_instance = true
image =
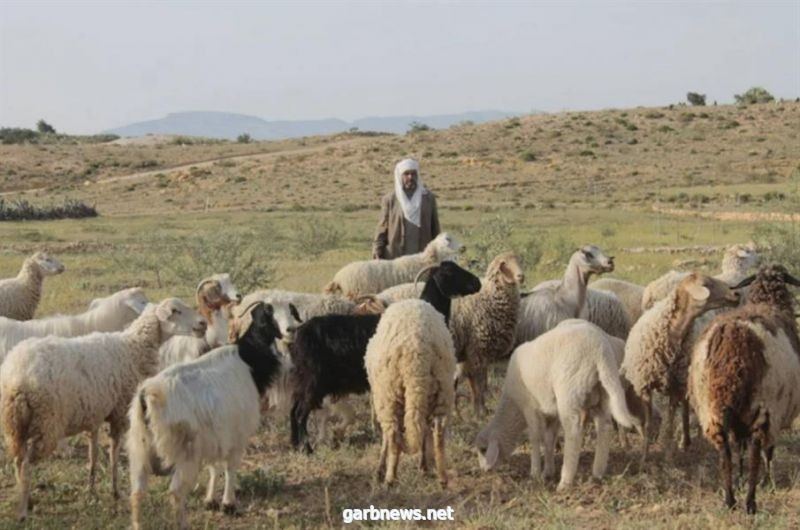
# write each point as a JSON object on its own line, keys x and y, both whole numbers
{"x": 492, "y": 453}
{"x": 163, "y": 312}
{"x": 508, "y": 276}
{"x": 137, "y": 304}
{"x": 698, "y": 292}
{"x": 295, "y": 313}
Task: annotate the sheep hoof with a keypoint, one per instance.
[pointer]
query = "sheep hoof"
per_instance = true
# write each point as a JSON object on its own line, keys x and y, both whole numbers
{"x": 751, "y": 507}
{"x": 307, "y": 448}
{"x": 230, "y": 509}
{"x": 730, "y": 502}
{"x": 212, "y": 505}
{"x": 563, "y": 486}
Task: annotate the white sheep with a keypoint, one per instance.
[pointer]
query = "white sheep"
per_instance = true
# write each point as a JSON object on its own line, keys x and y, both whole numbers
{"x": 19, "y": 297}
{"x": 744, "y": 378}
{"x": 111, "y": 313}
{"x": 630, "y": 294}
{"x": 214, "y": 296}
{"x": 736, "y": 264}
{"x": 563, "y": 374}
{"x": 655, "y": 359}
{"x": 203, "y": 412}
{"x": 373, "y": 276}
{"x": 308, "y": 305}
{"x": 55, "y": 387}
{"x": 549, "y": 303}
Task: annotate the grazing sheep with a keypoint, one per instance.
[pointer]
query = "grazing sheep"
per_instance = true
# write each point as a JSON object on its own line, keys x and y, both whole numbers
{"x": 654, "y": 353}
{"x": 368, "y": 277}
{"x": 214, "y": 296}
{"x": 484, "y": 324}
{"x": 736, "y": 263}
{"x": 19, "y": 297}
{"x": 549, "y": 303}
{"x": 328, "y": 361}
{"x": 411, "y": 364}
{"x": 630, "y": 294}
{"x": 744, "y": 378}
{"x": 203, "y": 412}
{"x": 55, "y": 387}
{"x": 566, "y": 372}
{"x": 111, "y": 313}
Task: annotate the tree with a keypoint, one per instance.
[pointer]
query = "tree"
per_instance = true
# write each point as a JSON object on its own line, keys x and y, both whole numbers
{"x": 244, "y": 138}
{"x": 415, "y": 127}
{"x": 754, "y": 95}
{"x": 697, "y": 100}
{"x": 44, "y": 127}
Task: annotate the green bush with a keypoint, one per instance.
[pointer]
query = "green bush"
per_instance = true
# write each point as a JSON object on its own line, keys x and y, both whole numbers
{"x": 753, "y": 96}
{"x": 495, "y": 236}
{"x": 44, "y": 127}
{"x": 22, "y": 210}
{"x": 244, "y": 138}
{"x": 416, "y": 127}
{"x": 695, "y": 99}
{"x": 527, "y": 156}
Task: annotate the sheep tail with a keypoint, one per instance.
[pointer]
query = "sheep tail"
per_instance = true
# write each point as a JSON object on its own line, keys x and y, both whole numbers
{"x": 332, "y": 287}
{"x": 141, "y": 445}
{"x": 16, "y": 422}
{"x": 609, "y": 377}
{"x": 416, "y": 405}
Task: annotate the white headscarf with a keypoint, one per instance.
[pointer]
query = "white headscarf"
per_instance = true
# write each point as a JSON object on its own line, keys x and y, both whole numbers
{"x": 411, "y": 207}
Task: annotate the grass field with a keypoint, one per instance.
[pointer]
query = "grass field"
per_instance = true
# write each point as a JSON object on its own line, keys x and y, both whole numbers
{"x": 302, "y": 214}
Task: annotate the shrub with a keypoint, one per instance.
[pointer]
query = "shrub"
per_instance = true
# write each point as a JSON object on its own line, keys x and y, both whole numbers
{"x": 22, "y": 210}
{"x": 754, "y": 95}
{"x": 312, "y": 238}
{"x": 695, "y": 99}
{"x": 15, "y": 135}
{"x": 493, "y": 237}
{"x": 416, "y": 127}
{"x": 244, "y": 138}
{"x": 527, "y": 156}
{"x": 44, "y": 127}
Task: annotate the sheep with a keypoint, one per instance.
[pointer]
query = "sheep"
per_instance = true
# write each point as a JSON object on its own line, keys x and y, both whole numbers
{"x": 552, "y": 380}
{"x": 368, "y": 277}
{"x": 19, "y": 297}
{"x": 654, "y": 353}
{"x": 548, "y": 304}
{"x": 55, "y": 387}
{"x": 328, "y": 361}
{"x": 483, "y": 324}
{"x": 630, "y": 294}
{"x": 744, "y": 377}
{"x": 311, "y": 305}
{"x": 736, "y": 263}
{"x": 112, "y": 313}
{"x": 213, "y": 295}
{"x": 203, "y": 412}
{"x": 411, "y": 364}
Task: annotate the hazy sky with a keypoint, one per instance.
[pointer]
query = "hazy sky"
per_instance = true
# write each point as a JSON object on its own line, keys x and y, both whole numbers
{"x": 89, "y": 66}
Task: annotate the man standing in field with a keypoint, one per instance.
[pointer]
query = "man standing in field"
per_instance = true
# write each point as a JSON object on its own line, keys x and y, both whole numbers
{"x": 409, "y": 219}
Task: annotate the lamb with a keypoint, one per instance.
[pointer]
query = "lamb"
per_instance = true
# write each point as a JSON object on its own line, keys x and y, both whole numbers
{"x": 736, "y": 263}
{"x": 214, "y": 296}
{"x": 411, "y": 364}
{"x": 55, "y": 387}
{"x": 203, "y": 412}
{"x": 654, "y": 353}
{"x": 554, "y": 379}
{"x": 483, "y": 324}
{"x": 328, "y": 360}
{"x": 368, "y": 277}
{"x": 19, "y": 297}
{"x": 112, "y": 313}
{"x": 548, "y": 304}
{"x": 744, "y": 378}
{"x": 630, "y": 294}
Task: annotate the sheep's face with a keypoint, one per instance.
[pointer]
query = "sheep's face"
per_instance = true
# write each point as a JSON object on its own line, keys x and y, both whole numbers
{"x": 705, "y": 293}
{"x": 177, "y": 318}
{"x": 740, "y": 258}
{"x": 508, "y": 267}
{"x": 217, "y": 291}
{"x": 769, "y": 286}
{"x": 488, "y": 449}
{"x": 591, "y": 260}
{"x": 288, "y": 319}
{"x": 452, "y": 280}
{"x": 447, "y": 246}
{"x": 127, "y": 304}
{"x": 48, "y": 264}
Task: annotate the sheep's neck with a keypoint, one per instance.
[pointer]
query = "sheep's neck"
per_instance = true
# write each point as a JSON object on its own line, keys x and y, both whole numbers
{"x": 146, "y": 333}
{"x": 573, "y": 287}
{"x": 681, "y": 322}
{"x": 264, "y": 366}
{"x": 437, "y": 299}
{"x": 32, "y": 277}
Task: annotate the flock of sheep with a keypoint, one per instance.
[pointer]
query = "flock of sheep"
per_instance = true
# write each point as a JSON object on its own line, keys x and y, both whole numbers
{"x": 186, "y": 388}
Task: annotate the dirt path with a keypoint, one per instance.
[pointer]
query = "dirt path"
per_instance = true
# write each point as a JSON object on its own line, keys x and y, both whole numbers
{"x": 201, "y": 164}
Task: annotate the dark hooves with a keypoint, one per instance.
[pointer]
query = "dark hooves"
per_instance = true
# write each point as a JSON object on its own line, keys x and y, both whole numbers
{"x": 230, "y": 509}
{"x": 751, "y": 507}
{"x": 212, "y": 506}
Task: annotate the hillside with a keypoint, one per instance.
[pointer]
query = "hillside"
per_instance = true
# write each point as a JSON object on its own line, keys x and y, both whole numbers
{"x": 705, "y": 157}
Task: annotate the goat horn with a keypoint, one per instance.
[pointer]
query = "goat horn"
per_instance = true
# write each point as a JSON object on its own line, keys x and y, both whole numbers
{"x": 247, "y": 309}
{"x": 744, "y": 283}
{"x": 203, "y": 283}
{"x": 420, "y": 273}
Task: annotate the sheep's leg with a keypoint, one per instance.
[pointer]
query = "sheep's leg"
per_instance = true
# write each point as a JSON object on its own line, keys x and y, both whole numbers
{"x": 426, "y": 455}
{"x": 139, "y": 473}
{"x": 300, "y": 414}
{"x": 116, "y": 445}
{"x": 22, "y": 467}
{"x": 668, "y": 438}
{"x": 647, "y": 406}
{"x": 92, "y": 459}
{"x": 472, "y": 379}
{"x": 229, "y": 495}
{"x": 534, "y": 423}
{"x": 725, "y": 468}
{"x": 550, "y": 435}
{"x": 379, "y": 473}
{"x": 742, "y": 447}
{"x": 769, "y": 453}
{"x": 393, "y": 456}
{"x": 209, "y": 501}
{"x": 687, "y": 439}
{"x": 571, "y": 422}
{"x": 183, "y": 478}
{"x": 602, "y": 424}
{"x": 483, "y": 385}
{"x": 754, "y": 462}
{"x": 439, "y": 425}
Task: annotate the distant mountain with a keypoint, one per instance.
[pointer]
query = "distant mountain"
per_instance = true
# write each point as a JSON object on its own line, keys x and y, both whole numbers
{"x": 229, "y": 125}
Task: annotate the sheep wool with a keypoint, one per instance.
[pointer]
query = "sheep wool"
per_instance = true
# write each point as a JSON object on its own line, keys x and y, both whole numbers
{"x": 19, "y": 297}
{"x": 630, "y": 294}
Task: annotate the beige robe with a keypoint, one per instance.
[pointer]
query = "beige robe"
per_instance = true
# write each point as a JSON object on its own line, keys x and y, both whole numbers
{"x": 390, "y": 240}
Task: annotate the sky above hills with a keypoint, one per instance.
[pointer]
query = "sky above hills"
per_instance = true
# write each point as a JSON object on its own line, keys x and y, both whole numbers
{"x": 87, "y": 67}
